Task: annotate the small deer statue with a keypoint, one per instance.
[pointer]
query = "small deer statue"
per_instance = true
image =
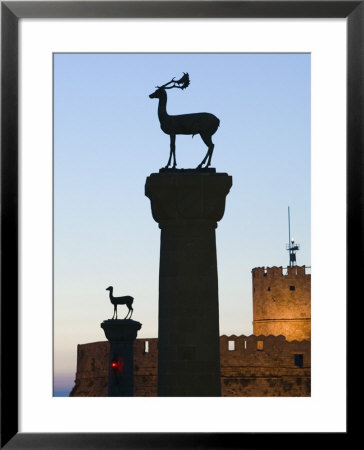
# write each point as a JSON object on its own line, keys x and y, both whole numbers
{"x": 126, "y": 300}
{"x": 204, "y": 124}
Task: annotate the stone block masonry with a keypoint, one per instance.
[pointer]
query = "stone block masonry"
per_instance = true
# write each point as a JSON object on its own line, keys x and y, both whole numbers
{"x": 187, "y": 206}
{"x": 121, "y": 335}
{"x": 251, "y": 366}
{"x": 92, "y": 369}
{"x": 265, "y": 366}
{"x": 282, "y": 302}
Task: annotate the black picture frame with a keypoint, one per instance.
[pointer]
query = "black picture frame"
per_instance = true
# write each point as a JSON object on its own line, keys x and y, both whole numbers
{"x": 11, "y": 12}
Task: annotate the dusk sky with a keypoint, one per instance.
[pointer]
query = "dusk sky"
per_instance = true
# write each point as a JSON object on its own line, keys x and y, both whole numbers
{"x": 107, "y": 140}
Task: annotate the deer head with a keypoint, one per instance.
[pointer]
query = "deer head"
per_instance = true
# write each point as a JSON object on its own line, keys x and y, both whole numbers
{"x": 182, "y": 83}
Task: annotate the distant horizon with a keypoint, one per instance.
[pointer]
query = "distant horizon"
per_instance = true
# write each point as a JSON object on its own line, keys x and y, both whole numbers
{"x": 104, "y": 233}
{"x": 62, "y": 393}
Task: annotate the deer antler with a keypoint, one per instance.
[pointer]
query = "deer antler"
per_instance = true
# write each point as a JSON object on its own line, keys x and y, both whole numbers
{"x": 184, "y": 81}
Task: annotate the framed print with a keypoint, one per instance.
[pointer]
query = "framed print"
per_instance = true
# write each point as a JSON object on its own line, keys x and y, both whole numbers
{"x": 41, "y": 43}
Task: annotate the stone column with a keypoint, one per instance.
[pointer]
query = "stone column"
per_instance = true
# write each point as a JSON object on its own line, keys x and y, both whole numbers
{"x": 187, "y": 205}
{"x": 121, "y": 334}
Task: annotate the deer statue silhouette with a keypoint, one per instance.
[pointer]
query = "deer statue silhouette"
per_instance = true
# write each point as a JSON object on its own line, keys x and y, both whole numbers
{"x": 126, "y": 300}
{"x": 204, "y": 124}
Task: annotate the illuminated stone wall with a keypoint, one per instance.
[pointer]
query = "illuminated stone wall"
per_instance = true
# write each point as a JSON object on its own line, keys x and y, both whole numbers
{"x": 259, "y": 366}
{"x": 282, "y": 302}
{"x": 250, "y": 366}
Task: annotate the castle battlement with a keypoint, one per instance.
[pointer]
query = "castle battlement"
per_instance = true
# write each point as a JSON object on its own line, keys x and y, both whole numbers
{"x": 242, "y": 341}
{"x": 273, "y": 272}
{"x": 282, "y": 302}
{"x": 255, "y": 365}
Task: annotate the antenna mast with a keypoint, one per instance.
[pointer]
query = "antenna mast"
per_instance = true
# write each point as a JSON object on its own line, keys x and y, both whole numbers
{"x": 291, "y": 246}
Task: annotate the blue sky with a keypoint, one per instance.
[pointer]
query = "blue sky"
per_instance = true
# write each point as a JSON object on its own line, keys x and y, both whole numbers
{"x": 107, "y": 140}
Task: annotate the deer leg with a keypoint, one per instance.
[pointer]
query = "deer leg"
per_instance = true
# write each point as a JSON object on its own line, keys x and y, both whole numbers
{"x": 203, "y": 161}
{"x": 207, "y": 140}
{"x": 173, "y": 149}
{"x": 211, "y": 149}
{"x": 131, "y": 309}
{"x": 169, "y": 160}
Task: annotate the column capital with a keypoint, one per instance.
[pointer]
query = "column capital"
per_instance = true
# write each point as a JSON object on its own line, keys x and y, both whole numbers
{"x": 187, "y": 197}
{"x": 117, "y": 330}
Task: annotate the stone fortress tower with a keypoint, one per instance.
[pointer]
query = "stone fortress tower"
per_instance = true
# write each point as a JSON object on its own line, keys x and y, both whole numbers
{"x": 282, "y": 302}
{"x": 282, "y": 298}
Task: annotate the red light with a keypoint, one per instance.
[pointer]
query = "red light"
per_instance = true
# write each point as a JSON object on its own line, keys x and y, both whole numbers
{"x": 117, "y": 365}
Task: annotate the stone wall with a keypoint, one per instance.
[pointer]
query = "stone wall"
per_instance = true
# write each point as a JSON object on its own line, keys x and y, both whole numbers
{"x": 282, "y": 302}
{"x": 145, "y": 367}
{"x": 92, "y": 370}
{"x": 251, "y": 366}
{"x": 258, "y": 366}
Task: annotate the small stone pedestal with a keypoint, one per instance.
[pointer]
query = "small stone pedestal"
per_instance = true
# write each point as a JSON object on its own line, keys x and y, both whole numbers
{"x": 121, "y": 334}
{"x": 187, "y": 205}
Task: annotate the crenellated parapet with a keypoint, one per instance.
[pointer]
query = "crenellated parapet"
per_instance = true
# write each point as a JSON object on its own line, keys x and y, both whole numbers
{"x": 250, "y": 366}
{"x": 262, "y": 350}
{"x": 274, "y": 272}
{"x": 282, "y": 301}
